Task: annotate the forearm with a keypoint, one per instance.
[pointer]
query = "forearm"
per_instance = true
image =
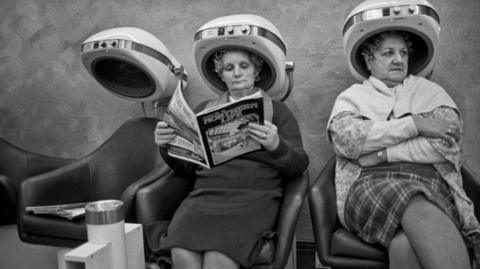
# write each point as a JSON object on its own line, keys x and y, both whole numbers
{"x": 423, "y": 149}
{"x": 384, "y": 134}
{"x": 353, "y": 135}
{"x": 417, "y": 149}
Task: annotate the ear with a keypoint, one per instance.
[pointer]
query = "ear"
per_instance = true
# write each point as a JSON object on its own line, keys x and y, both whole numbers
{"x": 367, "y": 60}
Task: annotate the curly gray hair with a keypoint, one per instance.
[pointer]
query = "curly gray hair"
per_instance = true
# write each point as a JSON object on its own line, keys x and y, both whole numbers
{"x": 373, "y": 43}
{"x": 218, "y": 60}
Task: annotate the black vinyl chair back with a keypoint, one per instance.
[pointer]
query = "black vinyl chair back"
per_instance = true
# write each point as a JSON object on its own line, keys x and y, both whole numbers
{"x": 128, "y": 155}
{"x": 17, "y": 164}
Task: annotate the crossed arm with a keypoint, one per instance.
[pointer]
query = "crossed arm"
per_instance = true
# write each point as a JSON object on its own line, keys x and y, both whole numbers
{"x": 418, "y": 138}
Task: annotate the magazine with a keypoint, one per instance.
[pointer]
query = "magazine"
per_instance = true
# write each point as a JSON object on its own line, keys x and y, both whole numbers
{"x": 69, "y": 211}
{"x": 214, "y": 135}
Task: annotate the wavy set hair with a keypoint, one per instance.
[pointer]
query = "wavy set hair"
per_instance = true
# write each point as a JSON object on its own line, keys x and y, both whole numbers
{"x": 373, "y": 43}
{"x": 218, "y": 60}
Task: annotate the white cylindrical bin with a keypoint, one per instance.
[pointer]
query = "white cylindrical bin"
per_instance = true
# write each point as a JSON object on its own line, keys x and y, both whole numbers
{"x": 106, "y": 225}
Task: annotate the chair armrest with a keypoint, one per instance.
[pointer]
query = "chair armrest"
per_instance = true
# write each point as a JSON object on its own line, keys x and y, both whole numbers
{"x": 471, "y": 184}
{"x": 67, "y": 184}
{"x": 159, "y": 200}
{"x": 129, "y": 194}
{"x": 323, "y": 209}
{"x": 8, "y": 200}
{"x": 8, "y": 191}
{"x": 294, "y": 196}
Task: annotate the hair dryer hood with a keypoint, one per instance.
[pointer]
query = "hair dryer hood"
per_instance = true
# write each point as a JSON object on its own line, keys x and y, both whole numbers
{"x": 132, "y": 64}
{"x": 252, "y": 33}
{"x": 417, "y": 17}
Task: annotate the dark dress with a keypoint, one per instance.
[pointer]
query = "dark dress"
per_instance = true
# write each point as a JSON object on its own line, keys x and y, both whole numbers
{"x": 234, "y": 206}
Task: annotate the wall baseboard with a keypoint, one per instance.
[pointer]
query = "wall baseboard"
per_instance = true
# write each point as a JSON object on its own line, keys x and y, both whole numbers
{"x": 307, "y": 257}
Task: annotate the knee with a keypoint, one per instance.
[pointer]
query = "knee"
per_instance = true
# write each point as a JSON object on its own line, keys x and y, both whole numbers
{"x": 183, "y": 258}
{"x": 400, "y": 246}
{"x": 401, "y": 253}
{"x": 215, "y": 259}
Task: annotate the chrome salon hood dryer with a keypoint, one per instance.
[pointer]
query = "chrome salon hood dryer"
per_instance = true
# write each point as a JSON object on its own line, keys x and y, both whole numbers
{"x": 416, "y": 17}
{"x": 132, "y": 64}
{"x": 252, "y": 33}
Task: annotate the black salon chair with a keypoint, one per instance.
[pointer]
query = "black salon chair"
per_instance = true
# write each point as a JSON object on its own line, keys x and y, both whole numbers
{"x": 17, "y": 164}
{"x": 157, "y": 203}
{"x": 125, "y": 162}
{"x": 340, "y": 249}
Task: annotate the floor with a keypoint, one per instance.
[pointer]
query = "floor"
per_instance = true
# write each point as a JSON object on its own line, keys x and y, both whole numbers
{"x": 306, "y": 255}
{"x": 15, "y": 254}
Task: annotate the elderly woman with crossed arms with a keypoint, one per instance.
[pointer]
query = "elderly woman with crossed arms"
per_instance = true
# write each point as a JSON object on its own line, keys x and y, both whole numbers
{"x": 398, "y": 142}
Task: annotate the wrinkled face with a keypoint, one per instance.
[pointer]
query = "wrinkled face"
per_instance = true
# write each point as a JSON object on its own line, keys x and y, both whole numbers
{"x": 238, "y": 73}
{"x": 390, "y": 62}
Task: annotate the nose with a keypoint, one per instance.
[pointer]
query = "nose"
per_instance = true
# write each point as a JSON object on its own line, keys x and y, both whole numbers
{"x": 236, "y": 71}
{"x": 397, "y": 58}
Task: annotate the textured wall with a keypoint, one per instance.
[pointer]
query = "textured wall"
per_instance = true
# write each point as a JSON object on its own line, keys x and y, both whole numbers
{"x": 49, "y": 104}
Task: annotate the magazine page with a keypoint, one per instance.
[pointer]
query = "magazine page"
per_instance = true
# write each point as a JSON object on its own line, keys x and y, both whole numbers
{"x": 70, "y": 214}
{"x": 187, "y": 144}
{"x": 69, "y": 211}
{"x": 54, "y": 208}
{"x": 224, "y": 131}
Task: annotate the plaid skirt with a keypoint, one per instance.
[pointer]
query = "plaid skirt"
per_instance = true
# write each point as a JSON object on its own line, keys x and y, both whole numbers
{"x": 378, "y": 198}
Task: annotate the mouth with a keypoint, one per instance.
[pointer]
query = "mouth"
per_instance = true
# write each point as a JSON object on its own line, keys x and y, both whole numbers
{"x": 396, "y": 69}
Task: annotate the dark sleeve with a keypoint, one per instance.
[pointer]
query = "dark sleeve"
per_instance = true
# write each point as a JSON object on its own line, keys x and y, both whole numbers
{"x": 289, "y": 157}
{"x": 179, "y": 166}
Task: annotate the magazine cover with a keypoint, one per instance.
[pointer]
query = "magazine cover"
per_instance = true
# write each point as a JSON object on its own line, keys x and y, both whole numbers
{"x": 214, "y": 135}
{"x": 224, "y": 130}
